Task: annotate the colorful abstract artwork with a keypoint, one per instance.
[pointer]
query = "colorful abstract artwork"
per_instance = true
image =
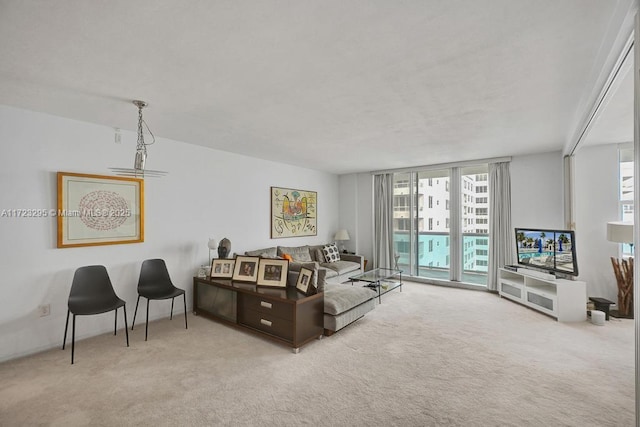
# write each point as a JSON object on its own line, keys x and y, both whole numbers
{"x": 293, "y": 213}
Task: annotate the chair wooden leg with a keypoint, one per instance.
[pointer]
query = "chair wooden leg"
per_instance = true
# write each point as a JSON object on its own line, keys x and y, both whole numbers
{"x": 126, "y": 327}
{"x": 146, "y": 326}
{"x": 185, "y": 310}
{"x": 134, "y": 313}
{"x": 171, "y": 317}
{"x": 66, "y": 326}
{"x": 73, "y": 337}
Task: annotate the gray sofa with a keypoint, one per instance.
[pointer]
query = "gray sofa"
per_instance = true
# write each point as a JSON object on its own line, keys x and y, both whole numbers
{"x": 336, "y": 272}
{"x": 344, "y": 303}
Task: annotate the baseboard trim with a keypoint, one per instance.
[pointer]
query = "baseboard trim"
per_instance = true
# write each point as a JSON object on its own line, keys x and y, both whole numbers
{"x": 447, "y": 283}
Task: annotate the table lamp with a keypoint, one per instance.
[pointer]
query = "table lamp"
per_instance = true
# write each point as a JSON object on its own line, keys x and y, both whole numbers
{"x": 341, "y": 236}
{"x": 213, "y": 245}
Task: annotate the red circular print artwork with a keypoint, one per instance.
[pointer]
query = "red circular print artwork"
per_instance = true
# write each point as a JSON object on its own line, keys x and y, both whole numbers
{"x": 103, "y": 210}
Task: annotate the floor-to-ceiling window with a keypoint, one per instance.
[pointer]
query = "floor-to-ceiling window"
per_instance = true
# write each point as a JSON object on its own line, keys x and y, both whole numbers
{"x": 441, "y": 223}
{"x": 626, "y": 190}
{"x": 475, "y": 223}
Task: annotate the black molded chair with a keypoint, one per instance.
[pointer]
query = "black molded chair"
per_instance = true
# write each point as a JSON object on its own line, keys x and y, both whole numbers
{"x": 155, "y": 283}
{"x": 92, "y": 293}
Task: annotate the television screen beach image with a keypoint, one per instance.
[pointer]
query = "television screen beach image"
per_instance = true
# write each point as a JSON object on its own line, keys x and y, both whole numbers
{"x": 551, "y": 250}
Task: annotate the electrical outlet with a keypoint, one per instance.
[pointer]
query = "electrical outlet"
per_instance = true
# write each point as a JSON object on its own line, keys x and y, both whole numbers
{"x": 44, "y": 310}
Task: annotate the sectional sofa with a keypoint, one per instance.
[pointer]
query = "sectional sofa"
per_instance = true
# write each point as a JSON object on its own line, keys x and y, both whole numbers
{"x": 344, "y": 302}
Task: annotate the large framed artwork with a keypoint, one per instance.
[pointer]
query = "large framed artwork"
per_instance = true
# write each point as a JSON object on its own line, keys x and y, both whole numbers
{"x": 99, "y": 210}
{"x": 293, "y": 212}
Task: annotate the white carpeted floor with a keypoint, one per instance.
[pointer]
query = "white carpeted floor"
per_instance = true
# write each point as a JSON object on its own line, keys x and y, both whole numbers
{"x": 428, "y": 356}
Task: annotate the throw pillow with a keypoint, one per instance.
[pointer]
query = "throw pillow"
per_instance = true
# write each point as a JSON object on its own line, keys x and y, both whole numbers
{"x": 267, "y": 255}
{"x": 287, "y": 257}
{"x": 298, "y": 253}
{"x": 331, "y": 253}
{"x": 264, "y": 253}
{"x": 320, "y": 256}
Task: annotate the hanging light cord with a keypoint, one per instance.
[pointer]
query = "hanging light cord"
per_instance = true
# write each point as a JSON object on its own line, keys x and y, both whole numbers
{"x": 141, "y": 145}
{"x": 139, "y": 169}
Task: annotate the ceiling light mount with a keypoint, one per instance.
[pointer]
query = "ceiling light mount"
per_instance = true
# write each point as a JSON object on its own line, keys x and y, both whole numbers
{"x": 139, "y": 104}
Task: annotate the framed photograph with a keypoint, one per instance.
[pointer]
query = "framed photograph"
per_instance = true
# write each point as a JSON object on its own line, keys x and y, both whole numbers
{"x": 273, "y": 272}
{"x": 222, "y": 268}
{"x": 293, "y": 212}
{"x": 304, "y": 284}
{"x": 99, "y": 210}
{"x": 245, "y": 268}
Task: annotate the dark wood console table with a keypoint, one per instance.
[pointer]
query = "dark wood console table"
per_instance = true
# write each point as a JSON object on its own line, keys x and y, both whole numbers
{"x": 283, "y": 315}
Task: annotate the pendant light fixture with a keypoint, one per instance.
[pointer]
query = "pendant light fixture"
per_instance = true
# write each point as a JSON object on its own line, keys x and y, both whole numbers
{"x": 141, "y": 150}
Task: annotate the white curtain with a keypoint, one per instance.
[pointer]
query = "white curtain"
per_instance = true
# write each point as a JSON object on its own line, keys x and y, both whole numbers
{"x": 500, "y": 231}
{"x": 383, "y": 220}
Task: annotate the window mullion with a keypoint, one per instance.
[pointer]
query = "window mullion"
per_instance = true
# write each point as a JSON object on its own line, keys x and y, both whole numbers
{"x": 413, "y": 206}
{"x": 455, "y": 249}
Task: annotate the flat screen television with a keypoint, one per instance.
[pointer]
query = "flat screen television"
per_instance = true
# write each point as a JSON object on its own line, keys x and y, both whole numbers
{"x": 550, "y": 250}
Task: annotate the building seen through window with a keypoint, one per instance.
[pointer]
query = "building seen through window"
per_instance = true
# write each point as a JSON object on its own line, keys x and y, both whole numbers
{"x": 426, "y": 251}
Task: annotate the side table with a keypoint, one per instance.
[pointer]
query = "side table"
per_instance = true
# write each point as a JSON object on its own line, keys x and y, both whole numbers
{"x": 602, "y": 304}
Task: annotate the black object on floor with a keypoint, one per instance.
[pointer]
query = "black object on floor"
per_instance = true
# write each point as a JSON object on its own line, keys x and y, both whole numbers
{"x": 602, "y": 304}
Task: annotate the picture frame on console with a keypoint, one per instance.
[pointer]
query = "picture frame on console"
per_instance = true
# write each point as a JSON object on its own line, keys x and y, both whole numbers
{"x": 273, "y": 272}
{"x": 245, "y": 269}
{"x": 304, "y": 282}
{"x": 222, "y": 268}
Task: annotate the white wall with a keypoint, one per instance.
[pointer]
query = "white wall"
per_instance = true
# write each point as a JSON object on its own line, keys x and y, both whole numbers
{"x": 537, "y": 187}
{"x": 349, "y": 209}
{"x": 596, "y": 202}
{"x": 208, "y": 193}
{"x": 356, "y": 201}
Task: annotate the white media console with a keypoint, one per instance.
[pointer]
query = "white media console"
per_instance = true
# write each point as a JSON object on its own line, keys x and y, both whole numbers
{"x": 566, "y": 300}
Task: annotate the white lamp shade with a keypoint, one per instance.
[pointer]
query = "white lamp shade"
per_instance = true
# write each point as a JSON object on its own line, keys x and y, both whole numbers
{"x": 212, "y": 243}
{"x": 341, "y": 235}
{"x": 620, "y": 231}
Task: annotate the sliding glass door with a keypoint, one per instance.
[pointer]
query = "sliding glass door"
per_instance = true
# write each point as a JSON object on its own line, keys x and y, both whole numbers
{"x": 441, "y": 223}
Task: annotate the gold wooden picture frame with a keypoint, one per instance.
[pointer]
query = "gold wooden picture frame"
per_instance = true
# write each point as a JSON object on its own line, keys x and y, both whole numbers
{"x": 273, "y": 272}
{"x": 222, "y": 268}
{"x": 99, "y": 210}
{"x": 246, "y": 268}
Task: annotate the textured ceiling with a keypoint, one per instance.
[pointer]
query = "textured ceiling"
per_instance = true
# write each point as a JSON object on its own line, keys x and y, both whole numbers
{"x": 340, "y": 86}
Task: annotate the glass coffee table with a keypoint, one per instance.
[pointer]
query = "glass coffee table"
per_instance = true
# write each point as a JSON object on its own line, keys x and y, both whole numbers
{"x": 378, "y": 279}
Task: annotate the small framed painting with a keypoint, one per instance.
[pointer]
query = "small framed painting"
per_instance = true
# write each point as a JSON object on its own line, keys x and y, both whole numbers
{"x": 304, "y": 281}
{"x": 245, "y": 268}
{"x": 273, "y": 272}
{"x": 222, "y": 268}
